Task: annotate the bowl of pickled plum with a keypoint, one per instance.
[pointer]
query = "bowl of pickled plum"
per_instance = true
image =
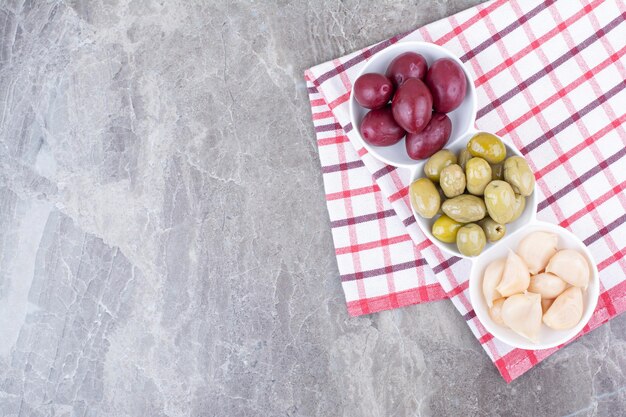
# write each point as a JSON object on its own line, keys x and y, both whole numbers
{"x": 537, "y": 290}
{"x": 409, "y": 100}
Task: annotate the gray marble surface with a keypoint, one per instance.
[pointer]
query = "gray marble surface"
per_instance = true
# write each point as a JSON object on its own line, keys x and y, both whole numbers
{"x": 164, "y": 243}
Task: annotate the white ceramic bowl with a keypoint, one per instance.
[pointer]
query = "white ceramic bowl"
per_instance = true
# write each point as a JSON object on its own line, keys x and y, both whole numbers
{"x": 548, "y": 337}
{"x": 426, "y": 224}
{"x": 462, "y": 118}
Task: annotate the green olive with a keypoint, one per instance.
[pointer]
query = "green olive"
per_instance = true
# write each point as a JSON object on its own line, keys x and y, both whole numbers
{"x": 464, "y": 156}
{"x": 497, "y": 172}
{"x": 452, "y": 180}
{"x": 520, "y": 204}
{"x": 478, "y": 174}
{"x": 493, "y": 230}
{"x": 487, "y": 146}
{"x": 471, "y": 240}
{"x": 442, "y": 198}
{"x": 464, "y": 208}
{"x": 518, "y": 174}
{"x": 500, "y": 201}
{"x": 437, "y": 162}
{"x": 425, "y": 197}
{"x": 445, "y": 229}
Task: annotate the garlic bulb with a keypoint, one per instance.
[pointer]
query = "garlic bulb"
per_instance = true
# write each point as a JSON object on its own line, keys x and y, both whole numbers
{"x": 571, "y": 267}
{"x": 546, "y": 284}
{"x": 566, "y": 311}
{"x": 545, "y": 304}
{"x": 491, "y": 279}
{"x": 536, "y": 249}
{"x": 522, "y": 313}
{"x": 515, "y": 278}
{"x": 495, "y": 312}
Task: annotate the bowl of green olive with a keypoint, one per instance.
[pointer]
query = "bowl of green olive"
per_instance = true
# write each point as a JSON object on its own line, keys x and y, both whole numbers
{"x": 471, "y": 194}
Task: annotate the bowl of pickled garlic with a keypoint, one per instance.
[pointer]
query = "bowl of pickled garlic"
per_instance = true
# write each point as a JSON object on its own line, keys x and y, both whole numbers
{"x": 536, "y": 290}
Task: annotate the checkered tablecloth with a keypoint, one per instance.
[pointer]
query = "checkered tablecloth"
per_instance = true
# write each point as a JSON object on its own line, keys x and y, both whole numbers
{"x": 551, "y": 77}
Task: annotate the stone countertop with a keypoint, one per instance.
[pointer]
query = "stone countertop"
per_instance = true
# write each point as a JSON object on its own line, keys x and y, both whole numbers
{"x": 165, "y": 248}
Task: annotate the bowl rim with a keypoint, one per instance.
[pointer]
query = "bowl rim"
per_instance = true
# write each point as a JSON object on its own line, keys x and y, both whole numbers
{"x": 470, "y": 94}
{"x": 499, "y": 332}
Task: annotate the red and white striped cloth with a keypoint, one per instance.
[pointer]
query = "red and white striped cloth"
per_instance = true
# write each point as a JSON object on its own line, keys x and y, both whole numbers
{"x": 550, "y": 75}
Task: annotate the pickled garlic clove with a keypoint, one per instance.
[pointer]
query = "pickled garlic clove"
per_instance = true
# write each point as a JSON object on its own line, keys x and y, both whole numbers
{"x": 536, "y": 249}
{"x": 515, "y": 278}
{"x": 495, "y": 312}
{"x": 571, "y": 266}
{"x": 546, "y": 284}
{"x": 491, "y": 279}
{"x": 522, "y": 313}
{"x": 566, "y": 311}
{"x": 545, "y": 304}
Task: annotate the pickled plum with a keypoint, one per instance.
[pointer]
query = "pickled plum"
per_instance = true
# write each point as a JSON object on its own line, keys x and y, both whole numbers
{"x": 412, "y": 105}
{"x": 424, "y": 144}
{"x": 373, "y": 91}
{"x": 379, "y": 128}
{"x": 446, "y": 81}
{"x": 405, "y": 66}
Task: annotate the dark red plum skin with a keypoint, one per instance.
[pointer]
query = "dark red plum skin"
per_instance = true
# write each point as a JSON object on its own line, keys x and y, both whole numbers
{"x": 424, "y": 144}
{"x": 405, "y": 66}
{"x": 373, "y": 91}
{"x": 446, "y": 81}
{"x": 412, "y": 105}
{"x": 379, "y": 128}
